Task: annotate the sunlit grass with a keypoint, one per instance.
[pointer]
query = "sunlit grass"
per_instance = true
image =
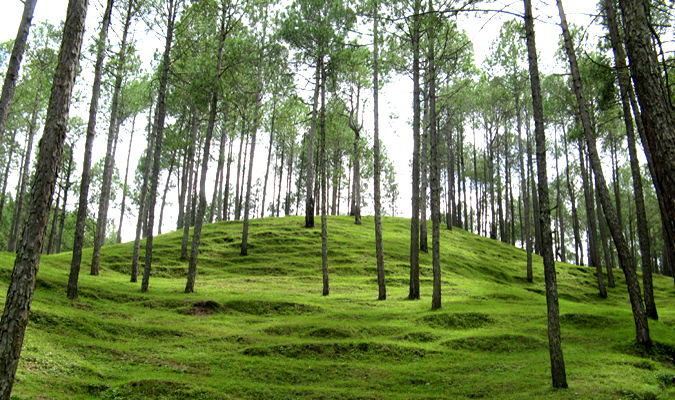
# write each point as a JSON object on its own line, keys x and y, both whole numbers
{"x": 257, "y": 327}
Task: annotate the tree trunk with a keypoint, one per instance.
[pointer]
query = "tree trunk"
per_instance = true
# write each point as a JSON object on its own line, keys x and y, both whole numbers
{"x": 159, "y": 136}
{"x": 578, "y": 247}
{"x": 256, "y": 122}
{"x": 190, "y": 167}
{"x": 309, "y": 198}
{"x": 142, "y": 206}
{"x": 558, "y": 375}
{"x": 281, "y": 175}
{"x": 424, "y": 171}
{"x": 379, "y": 251}
{"x": 126, "y": 178}
{"x": 55, "y": 217}
{"x": 434, "y": 174}
{"x": 113, "y": 131}
{"x": 322, "y": 158}
{"x": 641, "y": 324}
{"x": 269, "y": 158}
{"x": 287, "y": 206}
{"x": 657, "y": 114}
{"x": 26, "y": 265}
{"x": 524, "y": 191}
{"x": 226, "y": 206}
{"x": 62, "y": 219}
{"x": 593, "y": 247}
{"x": 18, "y": 204}
{"x": 166, "y": 189}
{"x": 643, "y": 230}
{"x": 12, "y": 74}
{"x": 6, "y": 175}
{"x": 414, "y": 292}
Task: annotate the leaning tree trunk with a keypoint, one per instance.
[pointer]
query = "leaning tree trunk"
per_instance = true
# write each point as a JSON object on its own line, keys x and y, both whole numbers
{"x": 558, "y": 375}
{"x": 625, "y": 257}
{"x": 160, "y": 115}
{"x": 26, "y": 265}
{"x": 643, "y": 231}
{"x": 414, "y": 292}
{"x": 657, "y": 113}
{"x": 379, "y": 251}
{"x": 12, "y": 74}
{"x": 113, "y": 131}
{"x": 85, "y": 180}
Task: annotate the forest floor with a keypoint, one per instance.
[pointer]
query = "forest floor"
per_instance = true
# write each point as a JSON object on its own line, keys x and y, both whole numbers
{"x": 257, "y": 326}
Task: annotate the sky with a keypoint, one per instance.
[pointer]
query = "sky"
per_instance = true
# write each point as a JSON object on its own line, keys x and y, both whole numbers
{"x": 395, "y": 99}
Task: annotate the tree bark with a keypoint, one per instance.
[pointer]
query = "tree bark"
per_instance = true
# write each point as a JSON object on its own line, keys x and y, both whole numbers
{"x": 593, "y": 247}
{"x": 322, "y": 158}
{"x": 159, "y": 136}
{"x": 6, "y": 174}
{"x": 627, "y": 262}
{"x": 379, "y": 250}
{"x": 166, "y": 189}
{"x": 414, "y": 292}
{"x": 309, "y": 198}
{"x": 62, "y": 219}
{"x": 643, "y": 231}
{"x": 26, "y": 265}
{"x": 558, "y": 375}
{"x": 12, "y": 75}
{"x": 269, "y": 158}
{"x": 190, "y": 167}
{"x": 434, "y": 173}
{"x": 113, "y": 131}
{"x": 525, "y": 194}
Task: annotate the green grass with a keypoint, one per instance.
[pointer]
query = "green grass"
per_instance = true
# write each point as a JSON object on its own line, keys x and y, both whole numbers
{"x": 257, "y": 327}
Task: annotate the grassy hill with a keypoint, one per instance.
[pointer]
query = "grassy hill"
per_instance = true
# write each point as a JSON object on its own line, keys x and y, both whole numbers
{"x": 258, "y": 328}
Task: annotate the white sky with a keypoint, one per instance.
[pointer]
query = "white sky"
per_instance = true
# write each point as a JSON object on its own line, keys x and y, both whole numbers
{"x": 395, "y": 97}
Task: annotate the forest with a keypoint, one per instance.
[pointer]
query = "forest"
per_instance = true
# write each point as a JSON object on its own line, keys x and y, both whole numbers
{"x": 570, "y": 166}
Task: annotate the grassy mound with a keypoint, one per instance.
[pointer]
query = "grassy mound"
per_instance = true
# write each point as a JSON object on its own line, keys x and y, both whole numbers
{"x": 257, "y": 327}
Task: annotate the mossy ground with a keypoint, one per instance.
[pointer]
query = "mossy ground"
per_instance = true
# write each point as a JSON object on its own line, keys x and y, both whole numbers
{"x": 257, "y": 326}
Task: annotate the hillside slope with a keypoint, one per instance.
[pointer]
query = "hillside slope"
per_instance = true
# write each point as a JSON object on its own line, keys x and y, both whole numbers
{"x": 258, "y": 328}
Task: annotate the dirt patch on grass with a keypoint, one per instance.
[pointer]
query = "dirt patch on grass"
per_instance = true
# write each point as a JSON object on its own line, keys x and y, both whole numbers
{"x": 332, "y": 351}
{"x": 270, "y": 308}
{"x": 497, "y": 344}
{"x": 458, "y": 321}
{"x": 205, "y": 308}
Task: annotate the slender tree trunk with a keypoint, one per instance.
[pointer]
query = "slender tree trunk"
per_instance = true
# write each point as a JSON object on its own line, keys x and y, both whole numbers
{"x": 269, "y": 158}
{"x": 309, "y": 198}
{"x": 524, "y": 192}
{"x": 142, "y": 206}
{"x": 578, "y": 247}
{"x": 55, "y": 217}
{"x": 190, "y": 167}
{"x": 226, "y": 199}
{"x": 166, "y": 189}
{"x": 256, "y": 122}
{"x": 281, "y": 175}
{"x": 62, "y": 219}
{"x": 558, "y": 375}
{"x": 414, "y": 292}
{"x": 86, "y": 164}
{"x": 11, "y": 247}
{"x": 113, "y": 130}
{"x": 6, "y": 175}
{"x": 26, "y": 265}
{"x": 379, "y": 251}
{"x": 12, "y": 74}
{"x": 126, "y": 178}
{"x": 287, "y": 208}
{"x": 236, "y": 185}
{"x": 643, "y": 231}
{"x": 240, "y": 199}
{"x": 424, "y": 171}
{"x": 322, "y": 161}
{"x": 434, "y": 173}
{"x": 594, "y": 249}
{"x": 627, "y": 262}
{"x": 159, "y": 136}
